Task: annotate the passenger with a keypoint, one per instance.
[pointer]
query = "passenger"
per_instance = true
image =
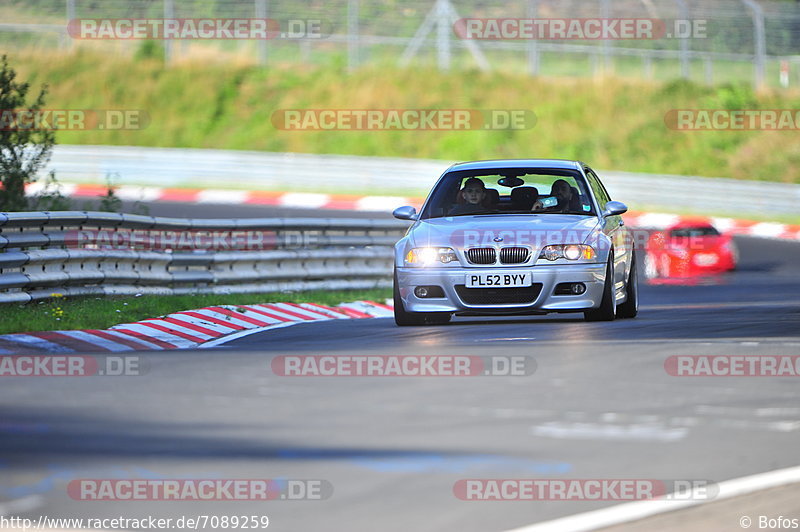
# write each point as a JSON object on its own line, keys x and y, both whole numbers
{"x": 470, "y": 198}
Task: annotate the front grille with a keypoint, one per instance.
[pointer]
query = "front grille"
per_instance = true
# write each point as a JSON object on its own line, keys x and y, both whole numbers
{"x": 498, "y": 296}
{"x": 515, "y": 255}
{"x": 481, "y": 255}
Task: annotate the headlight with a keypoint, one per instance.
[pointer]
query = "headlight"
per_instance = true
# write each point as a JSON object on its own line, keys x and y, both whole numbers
{"x": 567, "y": 251}
{"x": 430, "y": 256}
{"x": 678, "y": 252}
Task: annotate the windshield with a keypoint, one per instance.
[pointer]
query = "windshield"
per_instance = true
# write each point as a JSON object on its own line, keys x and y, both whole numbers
{"x": 691, "y": 232}
{"x": 509, "y": 191}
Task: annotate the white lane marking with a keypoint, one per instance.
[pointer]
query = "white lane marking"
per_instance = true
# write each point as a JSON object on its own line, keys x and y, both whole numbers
{"x": 598, "y": 431}
{"x": 242, "y": 334}
{"x": 633, "y": 511}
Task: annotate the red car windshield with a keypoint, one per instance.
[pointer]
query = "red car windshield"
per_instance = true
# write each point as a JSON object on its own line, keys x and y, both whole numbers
{"x": 693, "y": 232}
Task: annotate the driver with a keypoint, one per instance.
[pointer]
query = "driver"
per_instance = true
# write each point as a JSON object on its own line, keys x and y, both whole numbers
{"x": 563, "y": 193}
{"x": 473, "y": 194}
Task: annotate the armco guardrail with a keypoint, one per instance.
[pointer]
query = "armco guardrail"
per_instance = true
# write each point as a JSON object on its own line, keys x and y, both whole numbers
{"x": 195, "y": 168}
{"x": 95, "y": 253}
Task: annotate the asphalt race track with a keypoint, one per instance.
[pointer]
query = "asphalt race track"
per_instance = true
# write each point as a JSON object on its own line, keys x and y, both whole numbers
{"x": 599, "y": 405}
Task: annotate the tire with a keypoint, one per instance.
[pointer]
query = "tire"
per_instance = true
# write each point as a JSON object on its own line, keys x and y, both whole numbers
{"x": 630, "y": 308}
{"x": 607, "y": 309}
{"x": 403, "y": 318}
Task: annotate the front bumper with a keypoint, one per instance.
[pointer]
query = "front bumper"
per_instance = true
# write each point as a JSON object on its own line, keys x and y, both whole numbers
{"x": 548, "y": 276}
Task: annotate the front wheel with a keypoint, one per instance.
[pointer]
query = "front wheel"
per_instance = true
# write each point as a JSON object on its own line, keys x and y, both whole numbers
{"x": 404, "y": 318}
{"x": 630, "y": 308}
{"x": 607, "y": 309}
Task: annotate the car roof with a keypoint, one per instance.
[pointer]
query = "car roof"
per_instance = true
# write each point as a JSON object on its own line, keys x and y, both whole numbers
{"x": 561, "y": 164}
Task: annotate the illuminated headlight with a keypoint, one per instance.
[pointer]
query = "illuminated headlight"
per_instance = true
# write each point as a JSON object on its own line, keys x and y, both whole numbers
{"x": 567, "y": 251}
{"x": 430, "y": 256}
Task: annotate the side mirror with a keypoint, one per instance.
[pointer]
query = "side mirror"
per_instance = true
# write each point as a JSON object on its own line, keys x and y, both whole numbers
{"x": 614, "y": 208}
{"x": 405, "y": 213}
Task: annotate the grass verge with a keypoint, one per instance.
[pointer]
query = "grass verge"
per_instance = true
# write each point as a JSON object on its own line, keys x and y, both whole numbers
{"x": 610, "y": 123}
{"x": 101, "y": 313}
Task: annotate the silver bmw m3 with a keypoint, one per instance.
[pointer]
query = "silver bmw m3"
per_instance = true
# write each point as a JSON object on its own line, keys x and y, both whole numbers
{"x": 511, "y": 237}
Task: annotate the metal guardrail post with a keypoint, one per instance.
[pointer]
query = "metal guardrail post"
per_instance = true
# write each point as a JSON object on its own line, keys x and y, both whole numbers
{"x": 353, "y": 36}
{"x": 759, "y": 35}
{"x": 261, "y": 12}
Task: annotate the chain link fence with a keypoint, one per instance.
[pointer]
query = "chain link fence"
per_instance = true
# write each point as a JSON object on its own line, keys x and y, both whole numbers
{"x": 705, "y": 40}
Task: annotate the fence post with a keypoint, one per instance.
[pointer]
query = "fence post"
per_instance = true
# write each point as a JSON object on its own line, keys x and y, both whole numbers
{"x": 169, "y": 13}
{"x": 647, "y": 65}
{"x": 443, "y": 30}
{"x": 760, "y": 41}
{"x": 261, "y": 12}
{"x": 70, "y": 16}
{"x": 684, "y": 41}
{"x": 533, "y": 44}
{"x": 352, "y": 35}
{"x": 605, "y": 12}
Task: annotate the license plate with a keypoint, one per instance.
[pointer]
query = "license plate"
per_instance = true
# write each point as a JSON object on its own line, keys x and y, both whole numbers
{"x": 499, "y": 280}
{"x": 705, "y": 259}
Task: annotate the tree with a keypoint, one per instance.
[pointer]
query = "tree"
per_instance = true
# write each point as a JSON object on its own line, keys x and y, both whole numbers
{"x": 24, "y": 147}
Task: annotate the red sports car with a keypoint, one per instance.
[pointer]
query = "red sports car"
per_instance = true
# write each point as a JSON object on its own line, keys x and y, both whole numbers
{"x": 689, "y": 249}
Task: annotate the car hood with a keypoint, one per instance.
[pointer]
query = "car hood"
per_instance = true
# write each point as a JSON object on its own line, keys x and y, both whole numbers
{"x": 463, "y": 232}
